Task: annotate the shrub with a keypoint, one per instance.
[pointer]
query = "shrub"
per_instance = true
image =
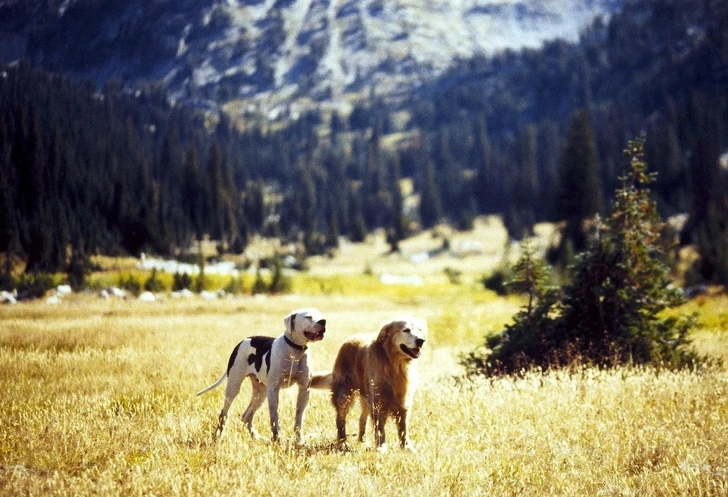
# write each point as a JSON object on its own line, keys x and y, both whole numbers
{"x": 154, "y": 283}
{"x": 35, "y": 285}
{"x": 130, "y": 283}
{"x": 280, "y": 283}
{"x": 181, "y": 281}
{"x": 7, "y": 282}
{"x": 454, "y": 276}
{"x": 610, "y": 314}
{"x": 497, "y": 280}
{"x": 236, "y": 285}
{"x": 259, "y": 285}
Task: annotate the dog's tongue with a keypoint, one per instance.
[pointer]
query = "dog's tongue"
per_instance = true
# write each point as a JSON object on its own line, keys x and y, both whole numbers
{"x": 415, "y": 352}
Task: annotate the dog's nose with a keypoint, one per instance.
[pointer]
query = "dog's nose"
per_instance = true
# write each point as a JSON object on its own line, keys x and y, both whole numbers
{"x": 419, "y": 342}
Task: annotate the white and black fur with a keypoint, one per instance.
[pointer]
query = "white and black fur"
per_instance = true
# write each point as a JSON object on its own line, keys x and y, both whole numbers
{"x": 272, "y": 364}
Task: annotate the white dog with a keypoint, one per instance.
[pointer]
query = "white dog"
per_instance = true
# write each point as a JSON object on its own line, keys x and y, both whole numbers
{"x": 272, "y": 364}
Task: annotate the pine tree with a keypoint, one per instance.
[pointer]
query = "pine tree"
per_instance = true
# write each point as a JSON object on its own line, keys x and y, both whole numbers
{"x": 357, "y": 224}
{"x": 612, "y": 312}
{"x": 398, "y": 230}
{"x": 254, "y": 204}
{"x": 486, "y": 179}
{"x": 7, "y": 220}
{"x": 214, "y": 191}
{"x": 305, "y": 203}
{"x": 580, "y": 194}
{"x": 526, "y": 193}
{"x": 192, "y": 193}
{"x": 709, "y": 214}
{"x": 430, "y": 208}
{"x": 548, "y": 160}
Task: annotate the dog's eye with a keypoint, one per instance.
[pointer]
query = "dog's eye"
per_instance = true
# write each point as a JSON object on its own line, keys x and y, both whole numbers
{"x": 407, "y": 330}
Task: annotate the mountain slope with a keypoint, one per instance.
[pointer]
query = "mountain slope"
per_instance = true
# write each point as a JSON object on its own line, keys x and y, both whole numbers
{"x": 276, "y": 50}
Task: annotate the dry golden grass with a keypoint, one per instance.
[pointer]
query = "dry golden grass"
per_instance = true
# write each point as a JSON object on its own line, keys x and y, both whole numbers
{"x": 99, "y": 399}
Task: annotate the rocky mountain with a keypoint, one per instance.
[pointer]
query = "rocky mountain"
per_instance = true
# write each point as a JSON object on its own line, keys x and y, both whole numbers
{"x": 275, "y": 51}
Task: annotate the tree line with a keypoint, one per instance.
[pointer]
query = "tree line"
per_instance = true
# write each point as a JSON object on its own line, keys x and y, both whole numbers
{"x": 532, "y": 135}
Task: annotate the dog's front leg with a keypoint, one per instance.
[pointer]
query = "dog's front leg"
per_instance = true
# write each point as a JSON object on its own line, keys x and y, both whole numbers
{"x": 301, "y": 403}
{"x": 380, "y": 419}
{"x": 404, "y": 442}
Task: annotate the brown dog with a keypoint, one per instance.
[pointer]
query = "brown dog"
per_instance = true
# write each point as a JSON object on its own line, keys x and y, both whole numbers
{"x": 382, "y": 373}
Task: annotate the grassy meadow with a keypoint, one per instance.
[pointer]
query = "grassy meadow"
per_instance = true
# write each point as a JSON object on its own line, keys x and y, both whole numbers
{"x": 99, "y": 399}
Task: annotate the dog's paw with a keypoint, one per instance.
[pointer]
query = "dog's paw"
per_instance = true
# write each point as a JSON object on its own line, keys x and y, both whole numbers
{"x": 218, "y": 434}
{"x": 343, "y": 446}
{"x": 383, "y": 449}
{"x": 257, "y": 437}
{"x": 409, "y": 447}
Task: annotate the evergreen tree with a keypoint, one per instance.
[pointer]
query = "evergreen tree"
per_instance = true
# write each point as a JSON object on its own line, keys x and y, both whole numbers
{"x": 430, "y": 209}
{"x": 612, "y": 312}
{"x": 28, "y": 157}
{"x": 525, "y": 193}
{"x": 580, "y": 194}
{"x": 398, "y": 231}
{"x": 254, "y": 204}
{"x": 357, "y": 224}
{"x": 548, "y": 160}
{"x": 7, "y": 220}
{"x": 215, "y": 195}
{"x": 486, "y": 179}
{"x": 192, "y": 193}
{"x": 305, "y": 208}
{"x": 709, "y": 213}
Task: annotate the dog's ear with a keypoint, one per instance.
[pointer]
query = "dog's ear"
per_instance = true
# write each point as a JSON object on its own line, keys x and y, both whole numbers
{"x": 387, "y": 330}
{"x": 290, "y": 322}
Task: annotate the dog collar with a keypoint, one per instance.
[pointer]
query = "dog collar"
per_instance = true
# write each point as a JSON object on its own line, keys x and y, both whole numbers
{"x": 293, "y": 344}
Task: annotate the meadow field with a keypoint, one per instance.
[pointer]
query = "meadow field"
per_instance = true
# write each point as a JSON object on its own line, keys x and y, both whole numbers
{"x": 98, "y": 398}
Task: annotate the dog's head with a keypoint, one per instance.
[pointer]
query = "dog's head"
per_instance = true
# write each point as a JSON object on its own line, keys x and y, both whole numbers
{"x": 404, "y": 336}
{"x": 305, "y": 325}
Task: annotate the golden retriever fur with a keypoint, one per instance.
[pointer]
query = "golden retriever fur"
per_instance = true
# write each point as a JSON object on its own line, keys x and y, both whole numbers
{"x": 382, "y": 375}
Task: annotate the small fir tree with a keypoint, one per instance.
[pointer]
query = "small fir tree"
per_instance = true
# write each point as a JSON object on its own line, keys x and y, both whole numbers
{"x": 611, "y": 312}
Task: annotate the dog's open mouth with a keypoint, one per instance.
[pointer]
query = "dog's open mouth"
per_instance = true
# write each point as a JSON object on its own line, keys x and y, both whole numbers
{"x": 312, "y": 336}
{"x": 317, "y": 332}
{"x": 414, "y": 353}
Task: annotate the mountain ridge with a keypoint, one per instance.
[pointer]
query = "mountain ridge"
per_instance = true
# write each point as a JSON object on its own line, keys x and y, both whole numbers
{"x": 278, "y": 51}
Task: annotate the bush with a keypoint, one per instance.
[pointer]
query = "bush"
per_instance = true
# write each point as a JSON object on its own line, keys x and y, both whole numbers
{"x": 259, "y": 285}
{"x": 236, "y": 285}
{"x": 610, "y": 314}
{"x": 454, "y": 276}
{"x": 7, "y": 282}
{"x": 153, "y": 283}
{"x": 496, "y": 281}
{"x": 35, "y": 285}
{"x": 280, "y": 283}
{"x": 181, "y": 281}
{"x": 130, "y": 283}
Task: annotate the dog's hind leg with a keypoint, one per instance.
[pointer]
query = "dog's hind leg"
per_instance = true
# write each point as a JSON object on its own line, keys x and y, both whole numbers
{"x": 256, "y": 400}
{"x": 341, "y": 398}
{"x": 363, "y": 417}
{"x": 232, "y": 389}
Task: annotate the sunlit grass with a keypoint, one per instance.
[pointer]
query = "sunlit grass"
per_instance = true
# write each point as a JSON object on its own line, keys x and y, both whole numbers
{"x": 99, "y": 399}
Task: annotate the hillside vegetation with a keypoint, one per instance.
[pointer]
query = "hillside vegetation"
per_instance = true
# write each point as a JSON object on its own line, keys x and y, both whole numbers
{"x": 119, "y": 170}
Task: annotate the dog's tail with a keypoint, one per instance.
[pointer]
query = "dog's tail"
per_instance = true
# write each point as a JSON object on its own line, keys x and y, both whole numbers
{"x": 322, "y": 381}
{"x": 214, "y": 385}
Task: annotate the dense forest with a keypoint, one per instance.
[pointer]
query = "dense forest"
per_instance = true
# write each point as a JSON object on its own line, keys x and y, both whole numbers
{"x": 532, "y": 135}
